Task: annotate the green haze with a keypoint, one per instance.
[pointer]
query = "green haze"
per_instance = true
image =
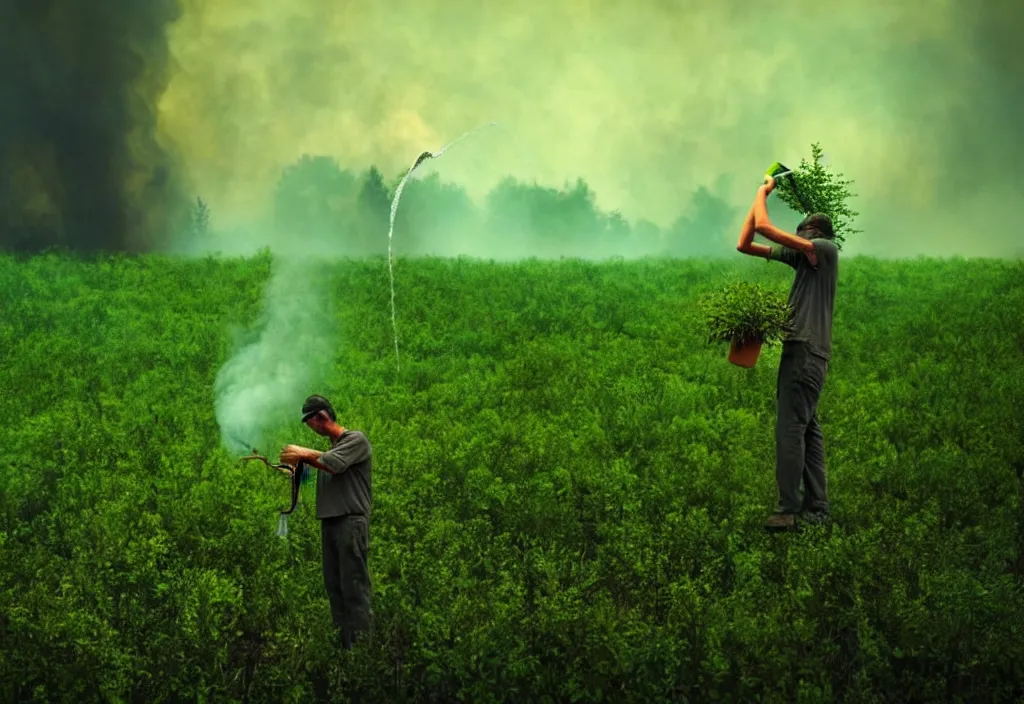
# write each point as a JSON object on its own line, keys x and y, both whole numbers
{"x": 115, "y": 117}
{"x": 919, "y": 103}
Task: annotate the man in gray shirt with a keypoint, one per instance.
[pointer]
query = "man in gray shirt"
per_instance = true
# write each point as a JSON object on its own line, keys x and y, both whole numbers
{"x": 806, "y": 351}
{"x": 343, "y": 504}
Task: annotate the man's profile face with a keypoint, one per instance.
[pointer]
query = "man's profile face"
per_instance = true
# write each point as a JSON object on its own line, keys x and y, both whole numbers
{"x": 317, "y": 423}
{"x": 815, "y": 225}
{"x": 803, "y": 229}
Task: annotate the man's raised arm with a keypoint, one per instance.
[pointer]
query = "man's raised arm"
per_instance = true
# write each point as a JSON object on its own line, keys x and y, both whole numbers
{"x": 747, "y": 245}
{"x": 764, "y": 226}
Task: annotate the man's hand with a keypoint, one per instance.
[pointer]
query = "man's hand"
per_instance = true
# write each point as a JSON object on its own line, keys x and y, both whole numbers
{"x": 293, "y": 454}
{"x": 769, "y": 185}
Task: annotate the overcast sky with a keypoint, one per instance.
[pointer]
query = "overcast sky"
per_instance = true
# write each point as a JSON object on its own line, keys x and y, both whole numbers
{"x": 918, "y": 102}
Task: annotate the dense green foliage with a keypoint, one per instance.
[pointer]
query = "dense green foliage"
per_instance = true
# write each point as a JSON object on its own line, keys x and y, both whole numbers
{"x": 569, "y": 485}
{"x": 745, "y": 311}
{"x": 822, "y": 191}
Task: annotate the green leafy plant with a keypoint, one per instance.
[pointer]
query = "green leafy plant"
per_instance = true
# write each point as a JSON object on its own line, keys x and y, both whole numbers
{"x": 745, "y": 312}
{"x": 569, "y": 499}
{"x": 820, "y": 191}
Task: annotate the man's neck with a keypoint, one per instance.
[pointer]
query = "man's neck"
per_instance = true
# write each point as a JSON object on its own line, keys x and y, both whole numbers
{"x": 335, "y": 431}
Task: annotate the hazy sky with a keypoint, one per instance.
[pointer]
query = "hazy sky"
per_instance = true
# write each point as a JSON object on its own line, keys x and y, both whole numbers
{"x": 645, "y": 99}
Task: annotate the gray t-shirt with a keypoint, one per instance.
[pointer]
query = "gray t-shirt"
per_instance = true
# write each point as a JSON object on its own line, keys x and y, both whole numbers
{"x": 813, "y": 294}
{"x": 348, "y": 491}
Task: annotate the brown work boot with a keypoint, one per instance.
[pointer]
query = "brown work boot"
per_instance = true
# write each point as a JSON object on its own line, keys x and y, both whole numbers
{"x": 780, "y": 522}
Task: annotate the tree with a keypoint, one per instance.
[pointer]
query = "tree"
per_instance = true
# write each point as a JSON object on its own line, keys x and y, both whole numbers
{"x": 431, "y": 216}
{"x": 373, "y": 213}
{"x": 646, "y": 236}
{"x": 315, "y": 197}
{"x": 575, "y": 215}
{"x": 705, "y": 226}
{"x": 547, "y": 221}
{"x": 617, "y": 228}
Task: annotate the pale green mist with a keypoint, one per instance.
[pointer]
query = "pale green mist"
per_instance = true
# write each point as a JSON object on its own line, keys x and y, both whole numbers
{"x": 646, "y": 101}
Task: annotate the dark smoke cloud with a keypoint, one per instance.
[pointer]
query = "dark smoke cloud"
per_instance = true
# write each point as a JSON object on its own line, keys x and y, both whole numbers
{"x": 80, "y": 163}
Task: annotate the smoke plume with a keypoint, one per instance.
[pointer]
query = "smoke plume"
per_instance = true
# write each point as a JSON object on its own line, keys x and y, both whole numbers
{"x": 261, "y": 388}
{"x": 80, "y": 163}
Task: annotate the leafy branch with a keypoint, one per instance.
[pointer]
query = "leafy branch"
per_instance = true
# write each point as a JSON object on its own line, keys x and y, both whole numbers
{"x": 822, "y": 191}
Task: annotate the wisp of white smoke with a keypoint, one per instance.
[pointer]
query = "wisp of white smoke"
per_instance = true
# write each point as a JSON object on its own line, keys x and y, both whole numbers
{"x": 264, "y": 383}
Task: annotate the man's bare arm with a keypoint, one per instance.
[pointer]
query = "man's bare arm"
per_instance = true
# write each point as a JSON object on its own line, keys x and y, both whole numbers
{"x": 747, "y": 245}
{"x": 334, "y": 461}
{"x": 764, "y": 226}
{"x": 292, "y": 454}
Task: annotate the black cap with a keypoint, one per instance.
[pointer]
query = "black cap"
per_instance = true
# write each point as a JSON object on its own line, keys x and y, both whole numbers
{"x": 314, "y": 404}
{"x": 818, "y": 221}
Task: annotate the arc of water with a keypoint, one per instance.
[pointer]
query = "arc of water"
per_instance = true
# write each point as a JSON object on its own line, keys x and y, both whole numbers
{"x": 391, "y": 225}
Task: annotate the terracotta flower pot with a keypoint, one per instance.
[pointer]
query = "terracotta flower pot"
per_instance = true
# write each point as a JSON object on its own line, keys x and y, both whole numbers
{"x": 746, "y": 354}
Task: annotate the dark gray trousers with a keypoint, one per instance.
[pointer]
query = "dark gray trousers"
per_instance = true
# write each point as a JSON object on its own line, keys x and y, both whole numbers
{"x": 346, "y": 549}
{"x": 799, "y": 444}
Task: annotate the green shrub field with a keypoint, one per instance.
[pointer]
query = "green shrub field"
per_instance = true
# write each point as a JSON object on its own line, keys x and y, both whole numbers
{"x": 569, "y": 488}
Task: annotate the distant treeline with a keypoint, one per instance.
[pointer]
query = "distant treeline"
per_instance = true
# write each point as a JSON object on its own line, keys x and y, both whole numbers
{"x": 316, "y": 197}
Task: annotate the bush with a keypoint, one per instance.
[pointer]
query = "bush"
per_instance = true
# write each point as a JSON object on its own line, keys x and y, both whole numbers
{"x": 744, "y": 312}
{"x": 821, "y": 191}
{"x": 568, "y": 496}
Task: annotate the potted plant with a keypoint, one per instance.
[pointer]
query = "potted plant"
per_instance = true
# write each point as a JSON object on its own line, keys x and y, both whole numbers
{"x": 747, "y": 316}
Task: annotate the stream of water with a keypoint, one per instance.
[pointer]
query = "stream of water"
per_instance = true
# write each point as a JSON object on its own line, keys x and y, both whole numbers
{"x": 391, "y": 226}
